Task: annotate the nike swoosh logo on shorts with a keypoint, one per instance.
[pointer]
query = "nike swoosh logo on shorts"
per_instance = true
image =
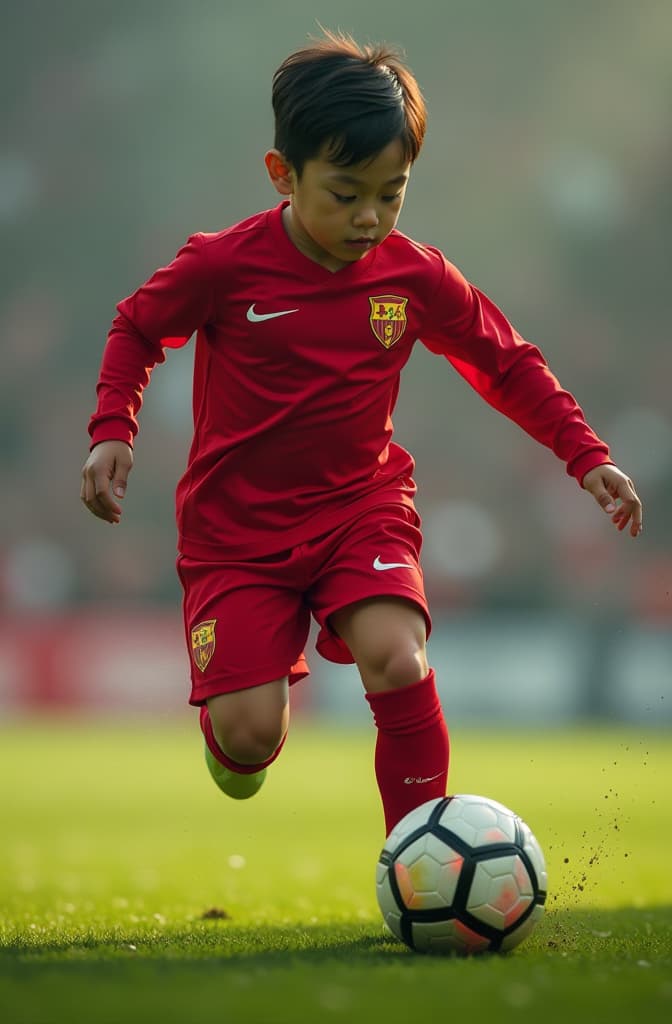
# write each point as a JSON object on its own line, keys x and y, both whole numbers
{"x": 382, "y": 566}
{"x": 256, "y": 318}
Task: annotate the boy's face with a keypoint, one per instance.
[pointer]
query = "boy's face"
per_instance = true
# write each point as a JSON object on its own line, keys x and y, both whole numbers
{"x": 338, "y": 214}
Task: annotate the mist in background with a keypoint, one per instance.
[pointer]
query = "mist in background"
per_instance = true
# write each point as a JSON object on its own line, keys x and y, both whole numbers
{"x": 546, "y": 177}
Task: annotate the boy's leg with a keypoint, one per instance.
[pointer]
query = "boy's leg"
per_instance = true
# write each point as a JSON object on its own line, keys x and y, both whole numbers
{"x": 386, "y": 636}
{"x": 244, "y": 733}
{"x": 245, "y": 628}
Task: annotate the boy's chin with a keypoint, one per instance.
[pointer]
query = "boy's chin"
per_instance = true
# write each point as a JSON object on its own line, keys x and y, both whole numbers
{"x": 351, "y": 254}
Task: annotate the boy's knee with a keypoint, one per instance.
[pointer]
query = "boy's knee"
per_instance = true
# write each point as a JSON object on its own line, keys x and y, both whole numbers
{"x": 398, "y": 665}
{"x": 248, "y": 744}
{"x": 406, "y": 666}
{"x": 249, "y": 727}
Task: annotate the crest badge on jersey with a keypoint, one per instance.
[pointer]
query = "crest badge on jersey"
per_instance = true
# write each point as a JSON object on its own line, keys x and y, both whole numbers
{"x": 203, "y": 643}
{"x": 388, "y": 318}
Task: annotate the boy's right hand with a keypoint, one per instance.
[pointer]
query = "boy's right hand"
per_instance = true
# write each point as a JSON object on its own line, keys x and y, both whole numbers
{"x": 104, "y": 477}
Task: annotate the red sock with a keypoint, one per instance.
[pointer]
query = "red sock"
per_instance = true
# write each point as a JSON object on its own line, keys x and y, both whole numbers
{"x": 219, "y": 755}
{"x": 412, "y": 747}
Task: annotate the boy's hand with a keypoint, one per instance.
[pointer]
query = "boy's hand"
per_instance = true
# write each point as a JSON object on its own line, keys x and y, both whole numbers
{"x": 615, "y": 492}
{"x": 104, "y": 474}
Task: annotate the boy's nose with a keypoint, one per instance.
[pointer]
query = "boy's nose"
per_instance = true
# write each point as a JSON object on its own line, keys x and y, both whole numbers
{"x": 366, "y": 218}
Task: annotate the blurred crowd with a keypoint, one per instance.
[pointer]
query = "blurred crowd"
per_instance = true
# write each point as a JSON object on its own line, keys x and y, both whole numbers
{"x": 546, "y": 178}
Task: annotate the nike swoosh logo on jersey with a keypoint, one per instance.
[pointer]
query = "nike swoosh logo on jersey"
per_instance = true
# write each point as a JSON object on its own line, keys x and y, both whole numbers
{"x": 382, "y": 566}
{"x": 256, "y": 318}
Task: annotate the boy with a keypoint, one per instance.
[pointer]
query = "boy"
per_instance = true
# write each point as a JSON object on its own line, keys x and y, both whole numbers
{"x": 295, "y": 500}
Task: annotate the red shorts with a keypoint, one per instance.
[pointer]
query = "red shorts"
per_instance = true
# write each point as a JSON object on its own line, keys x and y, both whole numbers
{"x": 247, "y": 623}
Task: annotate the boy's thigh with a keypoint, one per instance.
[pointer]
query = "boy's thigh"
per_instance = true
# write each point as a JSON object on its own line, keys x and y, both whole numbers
{"x": 377, "y": 555}
{"x": 241, "y": 627}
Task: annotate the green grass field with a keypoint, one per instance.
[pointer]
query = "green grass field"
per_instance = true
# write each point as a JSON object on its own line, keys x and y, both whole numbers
{"x": 130, "y": 889}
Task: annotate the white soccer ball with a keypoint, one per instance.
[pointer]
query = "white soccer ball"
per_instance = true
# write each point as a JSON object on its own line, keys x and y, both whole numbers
{"x": 461, "y": 874}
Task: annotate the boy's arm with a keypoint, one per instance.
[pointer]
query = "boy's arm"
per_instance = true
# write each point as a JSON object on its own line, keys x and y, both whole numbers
{"x": 513, "y": 377}
{"x": 174, "y": 302}
{"x": 163, "y": 312}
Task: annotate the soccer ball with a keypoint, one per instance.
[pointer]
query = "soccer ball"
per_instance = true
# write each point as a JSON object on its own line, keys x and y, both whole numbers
{"x": 461, "y": 874}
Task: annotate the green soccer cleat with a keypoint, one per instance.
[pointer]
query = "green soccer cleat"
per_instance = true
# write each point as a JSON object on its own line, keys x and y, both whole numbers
{"x": 234, "y": 784}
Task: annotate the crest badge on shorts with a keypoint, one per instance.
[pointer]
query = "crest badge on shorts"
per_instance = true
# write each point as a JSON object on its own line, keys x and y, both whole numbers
{"x": 388, "y": 318}
{"x": 203, "y": 643}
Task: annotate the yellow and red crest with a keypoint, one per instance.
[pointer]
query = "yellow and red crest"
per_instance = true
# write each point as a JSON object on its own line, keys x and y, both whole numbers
{"x": 203, "y": 643}
{"x": 388, "y": 318}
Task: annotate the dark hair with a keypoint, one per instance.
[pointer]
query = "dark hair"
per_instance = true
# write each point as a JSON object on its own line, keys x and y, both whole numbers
{"x": 353, "y": 100}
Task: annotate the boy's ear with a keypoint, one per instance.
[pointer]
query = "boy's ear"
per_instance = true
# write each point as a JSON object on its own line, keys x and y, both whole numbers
{"x": 280, "y": 172}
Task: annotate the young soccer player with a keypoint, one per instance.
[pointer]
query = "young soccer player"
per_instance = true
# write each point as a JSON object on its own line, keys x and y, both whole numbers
{"x": 295, "y": 500}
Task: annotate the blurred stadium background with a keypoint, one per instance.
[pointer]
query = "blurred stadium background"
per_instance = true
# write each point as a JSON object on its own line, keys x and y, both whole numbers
{"x": 546, "y": 177}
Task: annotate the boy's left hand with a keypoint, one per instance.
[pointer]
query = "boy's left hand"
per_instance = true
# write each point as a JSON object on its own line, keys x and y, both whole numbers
{"x": 615, "y": 493}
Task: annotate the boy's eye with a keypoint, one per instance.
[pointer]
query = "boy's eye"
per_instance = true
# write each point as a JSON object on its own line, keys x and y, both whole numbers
{"x": 340, "y": 198}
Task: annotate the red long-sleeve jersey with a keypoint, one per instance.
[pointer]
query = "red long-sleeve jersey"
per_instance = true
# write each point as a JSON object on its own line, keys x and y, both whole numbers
{"x": 296, "y": 377}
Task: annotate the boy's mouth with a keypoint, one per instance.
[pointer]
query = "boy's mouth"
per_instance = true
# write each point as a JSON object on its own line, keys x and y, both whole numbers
{"x": 361, "y": 243}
